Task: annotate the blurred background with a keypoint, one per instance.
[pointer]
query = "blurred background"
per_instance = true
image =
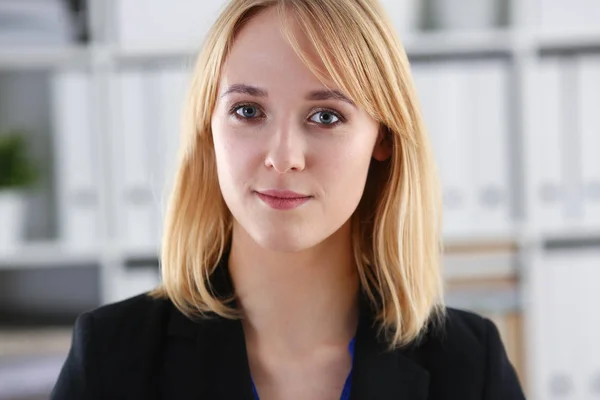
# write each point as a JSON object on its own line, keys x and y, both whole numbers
{"x": 90, "y": 96}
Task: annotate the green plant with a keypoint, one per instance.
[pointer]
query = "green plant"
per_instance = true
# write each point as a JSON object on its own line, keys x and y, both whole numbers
{"x": 16, "y": 169}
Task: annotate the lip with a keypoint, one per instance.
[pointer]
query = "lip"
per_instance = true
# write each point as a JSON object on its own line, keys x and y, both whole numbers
{"x": 282, "y": 199}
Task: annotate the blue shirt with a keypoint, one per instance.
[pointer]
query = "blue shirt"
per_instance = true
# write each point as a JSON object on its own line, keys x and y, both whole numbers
{"x": 345, "y": 392}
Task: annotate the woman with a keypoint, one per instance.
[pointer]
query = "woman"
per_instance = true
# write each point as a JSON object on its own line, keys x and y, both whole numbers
{"x": 300, "y": 258}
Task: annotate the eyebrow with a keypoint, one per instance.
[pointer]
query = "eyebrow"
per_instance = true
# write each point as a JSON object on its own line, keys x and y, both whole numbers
{"x": 313, "y": 96}
{"x": 245, "y": 89}
{"x": 328, "y": 95}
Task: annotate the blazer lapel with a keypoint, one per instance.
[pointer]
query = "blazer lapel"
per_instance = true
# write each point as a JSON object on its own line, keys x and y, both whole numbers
{"x": 223, "y": 353}
{"x": 381, "y": 374}
{"x": 208, "y": 359}
{"x": 215, "y": 352}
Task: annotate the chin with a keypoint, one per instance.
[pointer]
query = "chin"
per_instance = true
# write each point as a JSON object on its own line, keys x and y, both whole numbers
{"x": 283, "y": 242}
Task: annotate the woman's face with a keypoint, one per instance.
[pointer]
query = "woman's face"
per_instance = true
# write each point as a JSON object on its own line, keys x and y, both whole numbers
{"x": 292, "y": 156}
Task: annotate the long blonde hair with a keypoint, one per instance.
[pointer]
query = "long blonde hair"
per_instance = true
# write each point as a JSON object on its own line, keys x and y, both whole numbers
{"x": 397, "y": 225}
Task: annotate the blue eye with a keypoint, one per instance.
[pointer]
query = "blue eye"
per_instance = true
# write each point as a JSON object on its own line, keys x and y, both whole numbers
{"x": 325, "y": 118}
{"x": 247, "y": 111}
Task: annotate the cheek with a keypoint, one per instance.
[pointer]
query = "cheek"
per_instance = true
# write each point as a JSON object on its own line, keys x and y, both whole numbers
{"x": 346, "y": 169}
{"x": 236, "y": 156}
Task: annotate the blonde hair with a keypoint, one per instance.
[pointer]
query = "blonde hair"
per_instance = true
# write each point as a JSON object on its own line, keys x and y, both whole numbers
{"x": 397, "y": 225}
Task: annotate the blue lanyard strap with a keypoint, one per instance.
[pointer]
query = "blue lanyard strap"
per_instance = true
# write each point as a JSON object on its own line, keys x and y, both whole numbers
{"x": 345, "y": 392}
{"x": 348, "y": 384}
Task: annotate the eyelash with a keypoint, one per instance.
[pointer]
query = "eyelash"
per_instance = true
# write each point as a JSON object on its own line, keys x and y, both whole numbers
{"x": 236, "y": 107}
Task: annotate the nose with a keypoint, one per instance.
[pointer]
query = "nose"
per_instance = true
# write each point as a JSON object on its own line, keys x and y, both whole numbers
{"x": 286, "y": 151}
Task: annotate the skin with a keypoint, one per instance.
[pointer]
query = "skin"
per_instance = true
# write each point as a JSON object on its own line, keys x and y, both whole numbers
{"x": 293, "y": 270}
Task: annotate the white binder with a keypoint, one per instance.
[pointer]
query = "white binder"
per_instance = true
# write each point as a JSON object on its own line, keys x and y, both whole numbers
{"x": 589, "y": 129}
{"x": 560, "y": 356}
{"x": 179, "y": 24}
{"x": 488, "y": 89}
{"x": 135, "y": 138}
{"x": 38, "y": 23}
{"x": 547, "y": 155}
{"x": 452, "y": 112}
{"x": 443, "y": 98}
{"x": 172, "y": 86}
{"x": 405, "y": 15}
{"x": 426, "y": 80}
{"x": 558, "y": 16}
{"x": 586, "y": 334}
{"x": 76, "y": 160}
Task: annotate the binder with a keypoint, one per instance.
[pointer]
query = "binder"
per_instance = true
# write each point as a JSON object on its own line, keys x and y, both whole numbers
{"x": 488, "y": 131}
{"x": 548, "y": 157}
{"x": 425, "y": 81}
{"x": 587, "y": 332}
{"x": 573, "y": 15}
{"x": 588, "y": 122}
{"x": 134, "y": 136}
{"x": 562, "y": 322}
{"x": 41, "y": 23}
{"x": 443, "y": 99}
{"x": 76, "y": 162}
{"x": 164, "y": 24}
{"x": 172, "y": 85}
{"x": 405, "y": 15}
{"x": 451, "y": 110}
{"x": 473, "y": 15}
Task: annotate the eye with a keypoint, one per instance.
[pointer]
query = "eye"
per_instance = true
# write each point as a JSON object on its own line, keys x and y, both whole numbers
{"x": 325, "y": 118}
{"x": 247, "y": 111}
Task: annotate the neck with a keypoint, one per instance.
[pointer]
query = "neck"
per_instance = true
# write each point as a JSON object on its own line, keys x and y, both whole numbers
{"x": 296, "y": 301}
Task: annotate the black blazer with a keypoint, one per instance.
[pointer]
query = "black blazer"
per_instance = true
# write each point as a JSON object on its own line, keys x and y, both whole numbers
{"x": 144, "y": 348}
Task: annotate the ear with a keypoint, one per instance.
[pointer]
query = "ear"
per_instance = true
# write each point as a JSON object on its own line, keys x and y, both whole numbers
{"x": 384, "y": 145}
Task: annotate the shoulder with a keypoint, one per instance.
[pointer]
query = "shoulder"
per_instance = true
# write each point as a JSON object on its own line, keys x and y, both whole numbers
{"x": 469, "y": 328}
{"x": 125, "y": 319}
{"x": 130, "y": 312}
{"x": 459, "y": 339}
{"x": 129, "y": 325}
{"x": 466, "y": 351}
{"x": 108, "y": 342}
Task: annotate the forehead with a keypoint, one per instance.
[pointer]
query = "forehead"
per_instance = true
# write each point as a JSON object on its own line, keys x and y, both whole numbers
{"x": 261, "y": 53}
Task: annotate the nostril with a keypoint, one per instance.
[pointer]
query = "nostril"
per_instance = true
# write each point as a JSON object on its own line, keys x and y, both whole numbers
{"x": 283, "y": 166}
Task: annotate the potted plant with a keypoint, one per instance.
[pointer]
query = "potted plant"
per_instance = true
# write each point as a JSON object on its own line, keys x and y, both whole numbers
{"x": 16, "y": 174}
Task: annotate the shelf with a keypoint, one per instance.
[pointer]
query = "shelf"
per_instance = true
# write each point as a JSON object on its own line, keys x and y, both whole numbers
{"x": 429, "y": 44}
{"x": 139, "y": 252}
{"x": 48, "y": 255}
{"x": 43, "y": 57}
{"x": 574, "y": 232}
{"x": 467, "y": 43}
{"x": 486, "y": 300}
{"x": 418, "y": 45}
{"x": 178, "y": 54}
{"x": 501, "y": 265}
{"x": 568, "y": 41}
{"x": 459, "y": 242}
{"x": 17, "y": 342}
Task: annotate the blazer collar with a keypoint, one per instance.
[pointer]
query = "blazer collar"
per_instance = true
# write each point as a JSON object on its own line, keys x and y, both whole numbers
{"x": 220, "y": 359}
{"x": 380, "y": 373}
